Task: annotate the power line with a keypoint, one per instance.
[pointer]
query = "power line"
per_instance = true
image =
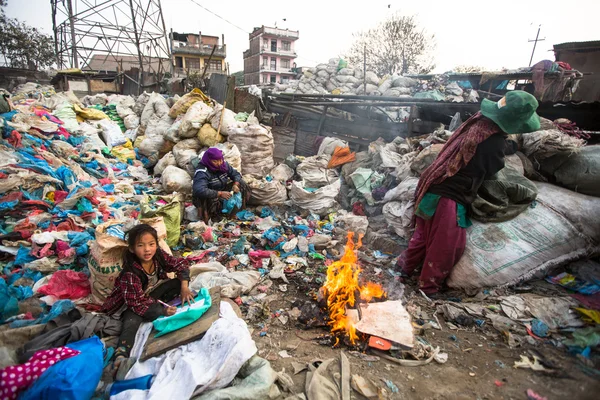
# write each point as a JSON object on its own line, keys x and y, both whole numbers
{"x": 218, "y": 16}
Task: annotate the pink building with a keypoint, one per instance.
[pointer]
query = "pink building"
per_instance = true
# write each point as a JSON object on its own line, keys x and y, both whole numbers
{"x": 271, "y": 56}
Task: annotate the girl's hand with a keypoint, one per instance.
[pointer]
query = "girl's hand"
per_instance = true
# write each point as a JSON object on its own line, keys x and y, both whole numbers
{"x": 186, "y": 295}
{"x": 170, "y": 311}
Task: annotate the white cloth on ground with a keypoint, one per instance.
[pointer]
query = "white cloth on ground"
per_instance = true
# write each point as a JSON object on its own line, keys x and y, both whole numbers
{"x": 206, "y": 364}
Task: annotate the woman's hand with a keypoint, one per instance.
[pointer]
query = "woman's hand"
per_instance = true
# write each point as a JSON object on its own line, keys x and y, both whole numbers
{"x": 236, "y": 187}
{"x": 224, "y": 195}
{"x": 186, "y": 295}
{"x": 170, "y": 311}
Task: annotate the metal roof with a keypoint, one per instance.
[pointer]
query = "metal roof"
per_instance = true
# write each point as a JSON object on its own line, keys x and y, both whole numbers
{"x": 590, "y": 45}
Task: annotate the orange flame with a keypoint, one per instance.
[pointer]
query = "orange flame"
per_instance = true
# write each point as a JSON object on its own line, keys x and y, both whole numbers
{"x": 341, "y": 287}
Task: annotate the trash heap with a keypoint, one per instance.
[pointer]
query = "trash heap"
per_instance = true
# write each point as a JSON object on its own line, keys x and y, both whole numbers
{"x": 338, "y": 77}
{"x": 76, "y": 175}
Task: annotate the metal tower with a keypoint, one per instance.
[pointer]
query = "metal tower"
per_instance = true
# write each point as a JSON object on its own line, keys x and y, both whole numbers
{"x": 134, "y": 29}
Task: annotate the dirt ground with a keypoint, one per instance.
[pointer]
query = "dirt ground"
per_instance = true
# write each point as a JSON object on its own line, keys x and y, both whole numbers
{"x": 480, "y": 362}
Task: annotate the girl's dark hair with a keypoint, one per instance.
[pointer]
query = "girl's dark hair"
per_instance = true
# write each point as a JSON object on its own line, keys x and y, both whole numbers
{"x": 129, "y": 258}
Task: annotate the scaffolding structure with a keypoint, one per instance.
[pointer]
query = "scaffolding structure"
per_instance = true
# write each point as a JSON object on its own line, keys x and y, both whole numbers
{"x": 114, "y": 29}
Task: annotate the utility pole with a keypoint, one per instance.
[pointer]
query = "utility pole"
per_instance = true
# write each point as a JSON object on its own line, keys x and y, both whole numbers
{"x": 535, "y": 43}
{"x": 73, "y": 36}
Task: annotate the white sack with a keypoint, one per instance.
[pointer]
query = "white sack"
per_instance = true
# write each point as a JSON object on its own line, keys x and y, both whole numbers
{"x": 561, "y": 228}
{"x": 175, "y": 179}
{"x": 196, "y": 116}
{"x": 315, "y": 173}
{"x": 168, "y": 159}
{"x": 316, "y": 201}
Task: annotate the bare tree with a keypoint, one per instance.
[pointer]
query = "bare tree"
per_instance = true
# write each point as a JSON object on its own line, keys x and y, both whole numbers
{"x": 396, "y": 45}
{"x": 23, "y": 46}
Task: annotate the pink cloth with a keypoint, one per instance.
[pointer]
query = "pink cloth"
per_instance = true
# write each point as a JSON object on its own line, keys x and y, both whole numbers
{"x": 17, "y": 378}
{"x": 67, "y": 284}
{"x": 438, "y": 244}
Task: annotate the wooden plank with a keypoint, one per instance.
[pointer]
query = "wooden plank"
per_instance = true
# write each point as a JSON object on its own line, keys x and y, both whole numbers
{"x": 157, "y": 346}
{"x": 345, "y": 370}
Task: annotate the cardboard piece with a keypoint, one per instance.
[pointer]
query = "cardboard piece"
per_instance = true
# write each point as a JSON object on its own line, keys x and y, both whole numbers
{"x": 388, "y": 320}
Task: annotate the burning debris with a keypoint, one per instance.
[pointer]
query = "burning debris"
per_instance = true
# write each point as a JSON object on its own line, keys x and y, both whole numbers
{"x": 342, "y": 289}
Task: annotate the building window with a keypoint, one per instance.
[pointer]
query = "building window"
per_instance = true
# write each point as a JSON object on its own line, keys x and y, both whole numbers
{"x": 265, "y": 61}
{"x": 215, "y": 65}
{"x": 285, "y": 63}
{"x": 265, "y": 45}
{"x": 273, "y": 64}
{"x": 285, "y": 79}
{"x": 273, "y": 78}
{"x": 192, "y": 63}
{"x": 265, "y": 78}
{"x": 273, "y": 45}
{"x": 285, "y": 46}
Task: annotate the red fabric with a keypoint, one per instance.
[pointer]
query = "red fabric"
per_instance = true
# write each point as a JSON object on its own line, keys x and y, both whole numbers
{"x": 438, "y": 244}
{"x": 15, "y": 139}
{"x": 105, "y": 181}
{"x": 456, "y": 153}
{"x": 358, "y": 208}
{"x": 17, "y": 378}
{"x": 12, "y": 197}
{"x": 59, "y": 196}
{"x": 67, "y": 284}
{"x": 128, "y": 286}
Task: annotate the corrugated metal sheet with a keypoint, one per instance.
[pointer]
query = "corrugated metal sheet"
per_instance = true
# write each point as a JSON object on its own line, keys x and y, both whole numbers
{"x": 305, "y": 144}
{"x": 285, "y": 141}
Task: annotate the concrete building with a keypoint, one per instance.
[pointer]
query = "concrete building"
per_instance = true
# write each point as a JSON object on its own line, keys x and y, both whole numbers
{"x": 191, "y": 52}
{"x": 270, "y": 58}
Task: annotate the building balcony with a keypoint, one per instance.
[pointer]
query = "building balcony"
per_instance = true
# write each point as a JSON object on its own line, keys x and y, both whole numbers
{"x": 278, "y": 51}
{"x": 184, "y": 71}
{"x": 200, "y": 50}
{"x": 284, "y": 33}
{"x": 280, "y": 70}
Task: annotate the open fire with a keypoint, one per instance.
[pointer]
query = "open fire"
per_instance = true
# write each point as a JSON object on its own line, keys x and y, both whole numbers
{"x": 342, "y": 289}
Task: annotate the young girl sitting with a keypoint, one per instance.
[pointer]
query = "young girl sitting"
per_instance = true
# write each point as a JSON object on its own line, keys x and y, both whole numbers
{"x": 142, "y": 284}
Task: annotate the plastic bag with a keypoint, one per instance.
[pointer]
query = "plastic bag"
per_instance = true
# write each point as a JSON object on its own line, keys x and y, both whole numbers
{"x": 67, "y": 284}
{"x": 195, "y": 117}
{"x": 182, "y": 105}
{"x": 315, "y": 173}
{"x": 233, "y": 202}
{"x": 155, "y": 107}
{"x": 111, "y": 133}
{"x": 266, "y": 193}
{"x": 74, "y": 378}
{"x": 175, "y": 179}
{"x": 316, "y": 201}
{"x": 208, "y": 136}
{"x": 172, "y": 213}
{"x": 168, "y": 159}
{"x": 229, "y": 124}
{"x": 65, "y": 113}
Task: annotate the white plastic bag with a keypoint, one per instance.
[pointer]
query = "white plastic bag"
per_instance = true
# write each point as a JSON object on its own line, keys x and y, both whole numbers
{"x": 318, "y": 200}
{"x": 111, "y": 133}
{"x": 175, "y": 179}
{"x": 315, "y": 173}
{"x": 168, "y": 159}
{"x": 196, "y": 116}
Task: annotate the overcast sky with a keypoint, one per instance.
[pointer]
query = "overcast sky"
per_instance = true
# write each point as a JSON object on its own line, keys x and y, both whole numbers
{"x": 472, "y": 32}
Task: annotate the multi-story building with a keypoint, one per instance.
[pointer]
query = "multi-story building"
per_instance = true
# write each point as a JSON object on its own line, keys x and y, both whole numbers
{"x": 270, "y": 58}
{"x": 191, "y": 52}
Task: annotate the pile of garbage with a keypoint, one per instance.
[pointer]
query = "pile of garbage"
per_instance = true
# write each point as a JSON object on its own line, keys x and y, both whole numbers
{"x": 77, "y": 175}
{"x": 338, "y": 77}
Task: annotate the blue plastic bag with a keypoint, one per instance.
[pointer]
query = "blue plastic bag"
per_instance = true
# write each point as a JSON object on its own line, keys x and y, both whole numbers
{"x": 245, "y": 215}
{"x": 233, "y": 202}
{"x": 75, "y": 378}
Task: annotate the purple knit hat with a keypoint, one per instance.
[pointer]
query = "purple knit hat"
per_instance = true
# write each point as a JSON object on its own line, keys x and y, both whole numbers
{"x": 211, "y": 155}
